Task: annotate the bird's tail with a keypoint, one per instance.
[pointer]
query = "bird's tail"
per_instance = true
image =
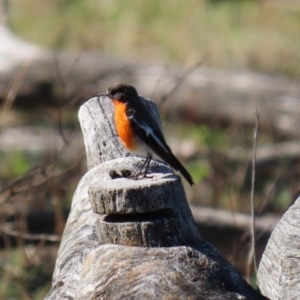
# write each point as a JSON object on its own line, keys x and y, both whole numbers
{"x": 176, "y": 164}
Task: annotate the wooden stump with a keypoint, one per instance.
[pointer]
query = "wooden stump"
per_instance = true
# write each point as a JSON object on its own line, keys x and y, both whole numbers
{"x": 150, "y": 213}
{"x": 169, "y": 260}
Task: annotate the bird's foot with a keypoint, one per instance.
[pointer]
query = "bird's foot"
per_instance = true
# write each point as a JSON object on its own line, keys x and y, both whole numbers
{"x": 140, "y": 175}
{"x": 128, "y": 174}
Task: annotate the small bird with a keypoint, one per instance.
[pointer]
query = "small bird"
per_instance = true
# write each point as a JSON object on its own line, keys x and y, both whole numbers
{"x": 137, "y": 128}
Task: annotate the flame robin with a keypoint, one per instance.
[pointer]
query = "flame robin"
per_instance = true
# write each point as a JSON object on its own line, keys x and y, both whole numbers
{"x": 136, "y": 127}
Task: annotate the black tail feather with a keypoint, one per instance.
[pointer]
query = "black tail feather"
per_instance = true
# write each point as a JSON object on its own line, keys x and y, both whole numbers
{"x": 171, "y": 159}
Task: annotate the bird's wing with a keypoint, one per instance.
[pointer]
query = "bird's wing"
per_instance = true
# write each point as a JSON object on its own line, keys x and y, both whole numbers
{"x": 150, "y": 134}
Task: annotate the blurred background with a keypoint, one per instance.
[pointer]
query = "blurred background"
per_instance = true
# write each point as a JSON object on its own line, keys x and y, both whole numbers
{"x": 212, "y": 66}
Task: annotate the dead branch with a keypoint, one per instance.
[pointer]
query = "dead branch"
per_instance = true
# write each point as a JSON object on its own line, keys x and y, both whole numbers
{"x": 252, "y": 254}
{"x": 28, "y": 236}
{"x": 218, "y": 218}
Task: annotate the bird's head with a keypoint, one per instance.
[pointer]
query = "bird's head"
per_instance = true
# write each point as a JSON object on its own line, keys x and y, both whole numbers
{"x": 122, "y": 92}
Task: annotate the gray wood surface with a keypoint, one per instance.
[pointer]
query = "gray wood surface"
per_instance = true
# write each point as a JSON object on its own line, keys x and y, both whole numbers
{"x": 155, "y": 273}
{"x": 279, "y": 268}
{"x": 152, "y": 212}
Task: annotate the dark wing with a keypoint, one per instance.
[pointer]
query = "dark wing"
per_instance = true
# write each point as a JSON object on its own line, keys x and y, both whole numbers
{"x": 149, "y": 133}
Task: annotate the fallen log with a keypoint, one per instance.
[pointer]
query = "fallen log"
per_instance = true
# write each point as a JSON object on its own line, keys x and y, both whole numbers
{"x": 218, "y": 218}
{"x": 41, "y": 77}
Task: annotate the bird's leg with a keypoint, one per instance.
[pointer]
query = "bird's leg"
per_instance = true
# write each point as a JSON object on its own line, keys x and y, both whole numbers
{"x": 146, "y": 163}
{"x": 148, "y": 160}
{"x": 142, "y": 167}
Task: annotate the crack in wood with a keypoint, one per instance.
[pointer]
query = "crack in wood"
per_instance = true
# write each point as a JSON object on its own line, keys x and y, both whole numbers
{"x": 140, "y": 217}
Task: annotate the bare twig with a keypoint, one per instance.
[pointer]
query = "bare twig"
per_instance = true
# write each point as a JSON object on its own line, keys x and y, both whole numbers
{"x": 157, "y": 83}
{"x": 30, "y": 237}
{"x": 38, "y": 179}
{"x": 63, "y": 81}
{"x": 181, "y": 79}
{"x": 60, "y": 127}
{"x": 15, "y": 86}
{"x": 252, "y": 254}
{"x": 58, "y": 72}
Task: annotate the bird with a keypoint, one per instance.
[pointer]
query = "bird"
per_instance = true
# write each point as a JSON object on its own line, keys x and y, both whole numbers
{"x": 137, "y": 128}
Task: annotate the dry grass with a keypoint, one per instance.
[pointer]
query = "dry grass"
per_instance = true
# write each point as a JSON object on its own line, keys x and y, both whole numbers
{"x": 256, "y": 35}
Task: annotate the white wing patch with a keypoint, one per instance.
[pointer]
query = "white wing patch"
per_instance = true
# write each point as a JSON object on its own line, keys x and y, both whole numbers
{"x": 149, "y": 132}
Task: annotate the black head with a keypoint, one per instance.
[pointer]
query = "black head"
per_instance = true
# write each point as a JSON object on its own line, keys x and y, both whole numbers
{"x": 122, "y": 92}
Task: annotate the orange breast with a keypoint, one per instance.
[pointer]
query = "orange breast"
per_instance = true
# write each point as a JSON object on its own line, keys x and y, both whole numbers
{"x": 123, "y": 126}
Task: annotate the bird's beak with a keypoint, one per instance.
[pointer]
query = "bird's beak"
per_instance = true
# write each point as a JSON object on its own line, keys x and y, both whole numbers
{"x": 102, "y": 94}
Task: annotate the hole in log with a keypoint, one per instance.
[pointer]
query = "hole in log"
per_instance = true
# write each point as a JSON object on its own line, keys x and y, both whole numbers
{"x": 140, "y": 217}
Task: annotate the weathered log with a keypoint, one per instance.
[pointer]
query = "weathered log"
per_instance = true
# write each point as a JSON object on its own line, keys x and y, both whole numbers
{"x": 148, "y": 212}
{"x": 156, "y": 273}
{"x": 279, "y": 269}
